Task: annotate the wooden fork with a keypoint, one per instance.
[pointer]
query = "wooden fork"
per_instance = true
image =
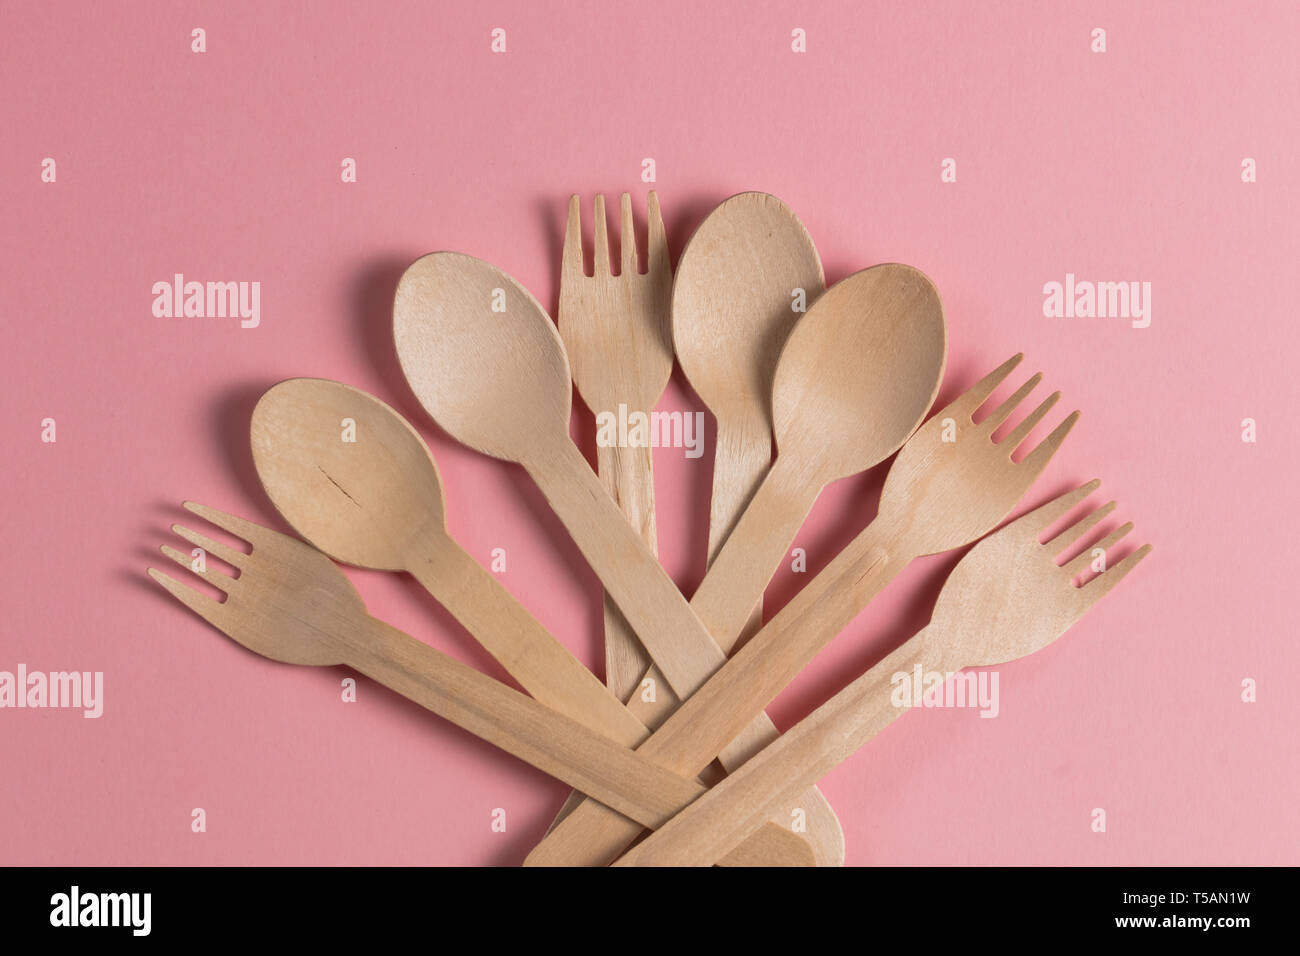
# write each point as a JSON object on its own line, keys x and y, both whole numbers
{"x": 615, "y": 330}
{"x": 1010, "y": 596}
{"x": 950, "y": 485}
{"x": 292, "y": 604}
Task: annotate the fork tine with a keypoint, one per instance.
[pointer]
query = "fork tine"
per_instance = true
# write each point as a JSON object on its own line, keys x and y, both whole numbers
{"x": 1077, "y": 564}
{"x": 1021, "y": 431}
{"x": 656, "y": 254}
{"x": 999, "y": 414}
{"x": 975, "y": 396}
{"x": 571, "y": 267}
{"x": 1079, "y": 528}
{"x": 222, "y": 551}
{"x": 1101, "y": 585}
{"x": 1037, "y": 459}
{"x": 600, "y": 239}
{"x": 214, "y": 612}
{"x": 218, "y": 580}
{"x": 627, "y": 242}
{"x": 245, "y": 531}
{"x": 1047, "y": 514}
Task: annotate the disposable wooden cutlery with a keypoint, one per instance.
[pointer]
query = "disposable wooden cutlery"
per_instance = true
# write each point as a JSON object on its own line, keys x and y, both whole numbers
{"x": 950, "y": 485}
{"x": 854, "y": 379}
{"x": 1010, "y": 596}
{"x": 615, "y": 330}
{"x": 292, "y": 604}
{"x": 376, "y": 502}
{"x": 488, "y": 365}
{"x": 748, "y": 272}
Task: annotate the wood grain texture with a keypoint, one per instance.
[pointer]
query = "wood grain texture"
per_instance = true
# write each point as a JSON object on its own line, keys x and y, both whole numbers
{"x": 290, "y": 603}
{"x": 376, "y": 502}
{"x": 1010, "y": 596}
{"x": 448, "y": 334}
{"x": 949, "y": 485}
{"x": 854, "y": 379}
{"x": 615, "y": 331}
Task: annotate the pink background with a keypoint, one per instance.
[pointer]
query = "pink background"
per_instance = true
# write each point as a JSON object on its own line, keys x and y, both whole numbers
{"x": 225, "y": 166}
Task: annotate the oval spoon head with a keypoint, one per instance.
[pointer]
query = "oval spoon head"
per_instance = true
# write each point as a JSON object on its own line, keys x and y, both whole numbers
{"x": 734, "y": 297}
{"x": 348, "y": 473}
{"x": 860, "y": 371}
{"x": 482, "y": 356}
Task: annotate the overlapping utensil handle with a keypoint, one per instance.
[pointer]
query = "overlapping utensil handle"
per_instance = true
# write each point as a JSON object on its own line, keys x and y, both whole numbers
{"x": 743, "y": 456}
{"x": 628, "y": 476}
{"x": 715, "y": 715}
{"x": 669, "y": 630}
{"x": 529, "y": 730}
{"x": 529, "y": 653}
{"x": 714, "y": 824}
{"x": 753, "y": 550}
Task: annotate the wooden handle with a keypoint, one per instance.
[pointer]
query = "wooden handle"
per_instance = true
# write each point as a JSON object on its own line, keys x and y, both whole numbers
{"x": 717, "y": 822}
{"x": 530, "y": 654}
{"x": 549, "y": 741}
{"x": 650, "y": 601}
{"x": 628, "y": 476}
{"x": 678, "y": 642}
{"x": 743, "y": 456}
{"x": 709, "y": 720}
{"x": 753, "y": 550}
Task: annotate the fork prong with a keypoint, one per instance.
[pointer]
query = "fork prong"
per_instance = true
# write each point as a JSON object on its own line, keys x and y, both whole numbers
{"x": 571, "y": 268}
{"x": 1077, "y": 564}
{"x": 1047, "y": 514}
{"x": 1077, "y": 530}
{"x": 218, "y": 580}
{"x": 214, "y": 612}
{"x": 245, "y": 531}
{"x": 1037, "y": 459}
{"x": 627, "y": 240}
{"x": 600, "y": 239}
{"x": 1101, "y": 585}
{"x": 1021, "y": 431}
{"x": 970, "y": 400}
{"x": 656, "y": 255}
{"x": 999, "y": 414}
{"x": 226, "y": 553}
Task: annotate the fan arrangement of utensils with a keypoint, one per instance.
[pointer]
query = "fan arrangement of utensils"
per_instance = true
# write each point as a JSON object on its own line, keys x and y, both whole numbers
{"x": 807, "y": 385}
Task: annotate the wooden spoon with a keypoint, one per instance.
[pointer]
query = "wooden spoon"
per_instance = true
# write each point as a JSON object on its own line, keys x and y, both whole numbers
{"x": 856, "y": 377}
{"x": 487, "y": 364}
{"x": 733, "y": 309}
{"x": 376, "y": 502}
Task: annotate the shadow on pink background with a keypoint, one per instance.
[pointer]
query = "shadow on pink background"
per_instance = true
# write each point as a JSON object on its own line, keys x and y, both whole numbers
{"x": 1118, "y": 166}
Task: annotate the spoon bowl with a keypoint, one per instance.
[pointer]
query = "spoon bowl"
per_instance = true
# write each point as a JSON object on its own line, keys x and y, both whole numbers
{"x": 860, "y": 371}
{"x": 372, "y": 502}
{"x": 733, "y": 301}
{"x": 482, "y": 356}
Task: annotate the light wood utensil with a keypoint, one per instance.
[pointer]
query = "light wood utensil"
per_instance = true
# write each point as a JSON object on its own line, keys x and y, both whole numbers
{"x": 950, "y": 485}
{"x": 488, "y": 365}
{"x": 376, "y": 502}
{"x": 292, "y": 604}
{"x": 854, "y": 380}
{"x": 748, "y": 272}
{"x": 615, "y": 330}
{"x": 1007, "y": 598}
